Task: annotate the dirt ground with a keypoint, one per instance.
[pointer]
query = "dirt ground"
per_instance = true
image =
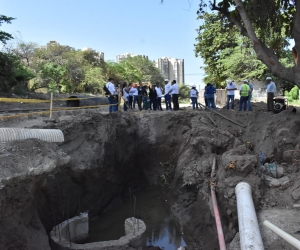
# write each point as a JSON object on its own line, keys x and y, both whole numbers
{"x": 41, "y": 183}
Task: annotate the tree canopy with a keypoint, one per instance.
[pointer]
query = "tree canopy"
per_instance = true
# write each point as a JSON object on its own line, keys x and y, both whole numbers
{"x": 4, "y": 36}
{"x": 268, "y": 24}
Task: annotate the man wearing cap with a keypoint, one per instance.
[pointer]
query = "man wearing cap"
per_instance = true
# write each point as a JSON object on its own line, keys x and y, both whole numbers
{"x": 244, "y": 93}
{"x": 271, "y": 89}
{"x": 230, "y": 88}
{"x": 167, "y": 96}
{"x": 193, "y": 96}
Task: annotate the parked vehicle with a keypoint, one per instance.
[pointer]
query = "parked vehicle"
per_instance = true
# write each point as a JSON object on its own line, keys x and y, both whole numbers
{"x": 280, "y": 103}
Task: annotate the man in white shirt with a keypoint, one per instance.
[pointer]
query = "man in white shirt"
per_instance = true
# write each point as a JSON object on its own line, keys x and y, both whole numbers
{"x": 167, "y": 96}
{"x": 193, "y": 96}
{"x": 175, "y": 94}
{"x": 231, "y": 87}
{"x": 271, "y": 89}
{"x": 113, "y": 97}
{"x": 159, "y": 94}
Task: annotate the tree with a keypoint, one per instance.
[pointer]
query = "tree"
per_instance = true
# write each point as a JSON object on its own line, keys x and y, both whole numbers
{"x": 145, "y": 67}
{"x": 263, "y": 22}
{"x": 4, "y": 36}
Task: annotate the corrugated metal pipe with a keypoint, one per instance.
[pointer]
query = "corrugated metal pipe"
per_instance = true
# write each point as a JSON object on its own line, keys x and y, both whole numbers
{"x": 216, "y": 210}
{"x": 282, "y": 234}
{"x": 94, "y": 101}
{"x": 13, "y": 134}
{"x": 250, "y": 237}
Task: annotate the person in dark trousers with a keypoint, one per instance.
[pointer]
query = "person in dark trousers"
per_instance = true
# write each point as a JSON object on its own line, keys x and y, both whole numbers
{"x": 139, "y": 97}
{"x": 152, "y": 97}
{"x": 174, "y": 90}
{"x": 271, "y": 89}
{"x": 159, "y": 94}
{"x": 145, "y": 98}
{"x": 168, "y": 96}
{"x": 130, "y": 96}
{"x": 244, "y": 93}
{"x": 210, "y": 94}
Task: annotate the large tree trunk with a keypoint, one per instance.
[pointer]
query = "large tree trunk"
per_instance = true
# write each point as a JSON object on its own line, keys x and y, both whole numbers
{"x": 265, "y": 54}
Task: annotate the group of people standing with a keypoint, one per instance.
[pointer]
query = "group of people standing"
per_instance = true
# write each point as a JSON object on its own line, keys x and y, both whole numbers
{"x": 246, "y": 91}
{"x": 144, "y": 96}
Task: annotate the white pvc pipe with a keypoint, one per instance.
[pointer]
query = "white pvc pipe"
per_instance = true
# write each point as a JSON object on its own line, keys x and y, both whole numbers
{"x": 250, "y": 237}
{"x": 296, "y": 206}
{"x": 13, "y": 134}
{"x": 282, "y": 234}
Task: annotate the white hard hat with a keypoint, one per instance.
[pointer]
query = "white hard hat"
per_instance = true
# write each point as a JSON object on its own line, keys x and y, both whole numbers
{"x": 246, "y": 80}
{"x": 166, "y": 80}
{"x": 269, "y": 78}
{"x": 194, "y": 86}
{"x": 228, "y": 81}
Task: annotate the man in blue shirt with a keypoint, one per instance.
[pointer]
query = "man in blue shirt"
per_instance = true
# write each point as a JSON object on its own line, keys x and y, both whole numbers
{"x": 271, "y": 89}
{"x": 210, "y": 95}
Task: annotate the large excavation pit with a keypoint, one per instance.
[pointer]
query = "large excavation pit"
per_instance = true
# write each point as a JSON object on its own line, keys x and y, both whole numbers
{"x": 161, "y": 159}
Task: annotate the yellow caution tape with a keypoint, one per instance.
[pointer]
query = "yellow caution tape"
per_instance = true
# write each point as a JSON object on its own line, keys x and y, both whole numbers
{"x": 22, "y": 100}
{"x": 55, "y": 109}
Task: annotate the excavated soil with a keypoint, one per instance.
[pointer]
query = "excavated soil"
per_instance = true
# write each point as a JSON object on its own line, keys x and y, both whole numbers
{"x": 43, "y": 184}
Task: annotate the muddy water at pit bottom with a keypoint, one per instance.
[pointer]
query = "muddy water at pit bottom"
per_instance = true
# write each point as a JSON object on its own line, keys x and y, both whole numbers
{"x": 162, "y": 230}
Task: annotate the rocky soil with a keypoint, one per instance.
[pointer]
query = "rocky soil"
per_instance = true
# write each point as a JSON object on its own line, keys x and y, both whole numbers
{"x": 42, "y": 184}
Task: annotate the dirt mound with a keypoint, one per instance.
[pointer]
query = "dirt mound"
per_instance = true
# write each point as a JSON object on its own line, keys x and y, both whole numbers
{"x": 104, "y": 154}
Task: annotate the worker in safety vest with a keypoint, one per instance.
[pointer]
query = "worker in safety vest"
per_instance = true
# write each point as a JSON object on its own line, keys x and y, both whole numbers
{"x": 244, "y": 92}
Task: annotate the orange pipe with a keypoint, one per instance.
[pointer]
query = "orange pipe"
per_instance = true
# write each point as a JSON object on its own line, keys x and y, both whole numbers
{"x": 216, "y": 212}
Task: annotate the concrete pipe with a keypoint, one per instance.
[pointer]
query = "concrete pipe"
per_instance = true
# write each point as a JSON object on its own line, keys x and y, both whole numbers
{"x": 13, "y": 134}
{"x": 282, "y": 234}
{"x": 94, "y": 101}
{"x": 250, "y": 237}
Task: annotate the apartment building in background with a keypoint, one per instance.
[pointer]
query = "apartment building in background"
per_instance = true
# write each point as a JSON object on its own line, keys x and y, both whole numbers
{"x": 171, "y": 68}
{"x": 120, "y": 58}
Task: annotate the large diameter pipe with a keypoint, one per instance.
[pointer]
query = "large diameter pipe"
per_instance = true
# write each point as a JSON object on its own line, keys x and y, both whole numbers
{"x": 282, "y": 234}
{"x": 13, "y": 134}
{"x": 85, "y": 101}
{"x": 250, "y": 237}
{"x": 216, "y": 211}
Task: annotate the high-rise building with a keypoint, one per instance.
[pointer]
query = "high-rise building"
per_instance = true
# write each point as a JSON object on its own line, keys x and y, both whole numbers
{"x": 120, "y": 58}
{"x": 171, "y": 68}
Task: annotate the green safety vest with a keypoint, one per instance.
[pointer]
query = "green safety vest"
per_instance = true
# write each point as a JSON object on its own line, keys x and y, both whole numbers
{"x": 245, "y": 90}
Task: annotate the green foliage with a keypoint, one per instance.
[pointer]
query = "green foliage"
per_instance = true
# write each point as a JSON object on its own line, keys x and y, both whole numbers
{"x": 60, "y": 69}
{"x": 143, "y": 69}
{"x": 293, "y": 94}
{"x": 229, "y": 55}
{"x": 13, "y": 72}
{"x": 184, "y": 91}
{"x": 4, "y": 36}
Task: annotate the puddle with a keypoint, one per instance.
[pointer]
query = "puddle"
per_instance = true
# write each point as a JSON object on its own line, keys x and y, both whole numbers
{"x": 162, "y": 230}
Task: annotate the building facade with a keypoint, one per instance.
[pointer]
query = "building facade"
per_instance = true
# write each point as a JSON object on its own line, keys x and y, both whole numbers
{"x": 171, "y": 68}
{"x": 120, "y": 58}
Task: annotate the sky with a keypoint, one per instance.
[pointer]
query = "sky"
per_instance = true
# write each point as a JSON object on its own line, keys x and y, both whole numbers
{"x": 114, "y": 27}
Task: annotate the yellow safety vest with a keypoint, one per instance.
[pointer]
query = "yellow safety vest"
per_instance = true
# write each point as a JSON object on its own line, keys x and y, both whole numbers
{"x": 245, "y": 90}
